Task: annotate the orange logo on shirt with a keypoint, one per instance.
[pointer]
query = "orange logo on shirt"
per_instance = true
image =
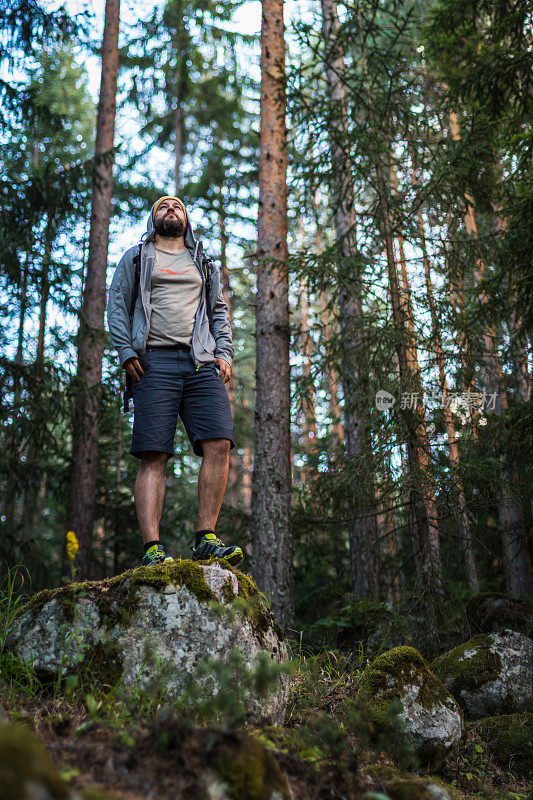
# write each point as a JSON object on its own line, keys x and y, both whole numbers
{"x": 177, "y": 273}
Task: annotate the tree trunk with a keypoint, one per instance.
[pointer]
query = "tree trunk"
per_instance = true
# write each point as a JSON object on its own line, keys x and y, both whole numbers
{"x": 83, "y": 475}
{"x": 272, "y": 544}
{"x": 362, "y": 522}
{"x": 516, "y": 560}
{"x": 424, "y": 504}
{"x": 12, "y": 483}
{"x": 45, "y": 289}
{"x": 178, "y": 144}
{"x": 309, "y": 426}
{"x": 333, "y": 403}
{"x": 334, "y": 409}
{"x": 459, "y": 502}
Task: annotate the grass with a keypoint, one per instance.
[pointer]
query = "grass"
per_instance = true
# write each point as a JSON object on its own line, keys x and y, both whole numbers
{"x": 323, "y": 731}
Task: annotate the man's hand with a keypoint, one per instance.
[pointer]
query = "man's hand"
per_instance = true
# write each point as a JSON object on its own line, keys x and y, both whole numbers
{"x": 224, "y": 369}
{"x": 133, "y": 368}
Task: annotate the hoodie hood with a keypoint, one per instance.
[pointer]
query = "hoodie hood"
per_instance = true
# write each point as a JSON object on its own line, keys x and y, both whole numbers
{"x": 192, "y": 244}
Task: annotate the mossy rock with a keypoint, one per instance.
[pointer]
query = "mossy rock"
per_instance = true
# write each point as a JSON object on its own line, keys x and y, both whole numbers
{"x": 26, "y": 770}
{"x": 490, "y": 612}
{"x": 403, "y": 704}
{"x": 415, "y": 789}
{"x": 249, "y": 770}
{"x": 510, "y": 740}
{"x": 490, "y": 674}
{"x": 152, "y": 630}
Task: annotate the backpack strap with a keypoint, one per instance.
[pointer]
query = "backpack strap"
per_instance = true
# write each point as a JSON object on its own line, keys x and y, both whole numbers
{"x": 128, "y": 391}
{"x": 207, "y": 263}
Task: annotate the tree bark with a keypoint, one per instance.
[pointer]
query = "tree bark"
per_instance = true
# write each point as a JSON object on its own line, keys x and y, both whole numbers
{"x": 45, "y": 289}
{"x": 272, "y": 542}
{"x": 83, "y": 475}
{"x": 309, "y": 426}
{"x": 362, "y": 521}
{"x": 178, "y": 144}
{"x": 12, "y": 482}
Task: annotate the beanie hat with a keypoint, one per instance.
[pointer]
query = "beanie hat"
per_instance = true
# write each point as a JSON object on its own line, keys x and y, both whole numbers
{"x": 167, "y": 197}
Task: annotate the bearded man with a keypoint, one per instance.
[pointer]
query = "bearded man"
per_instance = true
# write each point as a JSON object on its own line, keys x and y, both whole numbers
{"x": 170, "y": 325}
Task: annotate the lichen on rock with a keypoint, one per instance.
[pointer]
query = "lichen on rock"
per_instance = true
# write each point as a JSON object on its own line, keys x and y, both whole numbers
{"x": 150, "y": 629}
{"x": 490, "y": 674}
{"x": 510, "y": 740}
{"x": 398, "y": 686}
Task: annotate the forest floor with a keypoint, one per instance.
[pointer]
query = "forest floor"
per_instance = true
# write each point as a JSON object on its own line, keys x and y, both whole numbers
{"x": 136, "y": 754}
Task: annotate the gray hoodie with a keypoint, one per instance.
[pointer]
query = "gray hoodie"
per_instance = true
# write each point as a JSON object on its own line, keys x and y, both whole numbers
{"x": 208, "y": 340}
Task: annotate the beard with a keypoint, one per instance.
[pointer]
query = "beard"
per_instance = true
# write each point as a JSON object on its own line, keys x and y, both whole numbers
{"x": 171, "y": 227}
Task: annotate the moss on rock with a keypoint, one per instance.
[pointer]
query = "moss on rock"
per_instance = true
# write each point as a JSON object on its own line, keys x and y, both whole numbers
{"x": 249, "y": 599}
{"x": 468, "y": 666}
{"x": 22, "y": 762}
{"x": 116, "y": 598}
{"x": 510, "y": 740}
{"x": 404, "y": 705}
{"x": 389, "y": 674}
{"x": 250, "y": 771}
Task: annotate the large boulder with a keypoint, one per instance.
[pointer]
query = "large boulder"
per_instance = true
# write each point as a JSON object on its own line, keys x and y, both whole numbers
{"x": 509, "y": 739}
{"x": 492, "y": 612}
{"x": 398, "y": 685}
{"x": 154, "y": 629}
{"x": 490, "y": 674}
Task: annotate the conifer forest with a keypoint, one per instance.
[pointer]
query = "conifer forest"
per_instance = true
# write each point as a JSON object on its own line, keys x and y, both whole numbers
{"x": 359, "y": 172}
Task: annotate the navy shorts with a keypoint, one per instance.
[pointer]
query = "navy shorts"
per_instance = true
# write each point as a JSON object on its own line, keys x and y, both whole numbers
{"x": 172, "y": 385}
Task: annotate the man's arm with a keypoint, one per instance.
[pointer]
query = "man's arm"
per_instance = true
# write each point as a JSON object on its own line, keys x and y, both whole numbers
{"x": 118, "y": 307}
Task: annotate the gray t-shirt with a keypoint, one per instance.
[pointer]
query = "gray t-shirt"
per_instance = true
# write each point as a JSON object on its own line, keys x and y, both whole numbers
{"x": 176, "y": 289}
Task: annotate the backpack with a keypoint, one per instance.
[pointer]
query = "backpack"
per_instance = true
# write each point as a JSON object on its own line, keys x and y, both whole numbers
{"x": 205, "y": 264}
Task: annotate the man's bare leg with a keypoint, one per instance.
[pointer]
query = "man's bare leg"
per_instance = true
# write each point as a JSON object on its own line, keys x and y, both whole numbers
{"x": 150, "y": 491}
{"x": 212, "y": 482}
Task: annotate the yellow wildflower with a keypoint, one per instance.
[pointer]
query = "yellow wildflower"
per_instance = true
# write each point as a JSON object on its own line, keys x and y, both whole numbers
{"x": 72, "y": 545}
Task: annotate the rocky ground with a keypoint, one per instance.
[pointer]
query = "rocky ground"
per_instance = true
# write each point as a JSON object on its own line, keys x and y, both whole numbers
{"x": 335, "y": 726}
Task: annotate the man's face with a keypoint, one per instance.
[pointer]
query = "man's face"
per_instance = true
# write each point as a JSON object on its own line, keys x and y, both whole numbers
{"x": 170, "y": 219}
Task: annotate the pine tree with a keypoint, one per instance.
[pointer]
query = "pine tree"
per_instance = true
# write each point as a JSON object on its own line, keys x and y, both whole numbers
{"x": 82, "y": 494}
{"x": 272, "y": 544}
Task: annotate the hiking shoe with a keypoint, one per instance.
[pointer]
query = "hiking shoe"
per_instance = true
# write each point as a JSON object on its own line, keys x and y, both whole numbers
{"x": 155, "y": 555}
{"x": 211, "y": 547}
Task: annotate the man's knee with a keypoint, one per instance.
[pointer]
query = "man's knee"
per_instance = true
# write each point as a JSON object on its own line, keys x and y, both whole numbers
{"x": 215, "y": 447}
{"x": 153, "y": 459}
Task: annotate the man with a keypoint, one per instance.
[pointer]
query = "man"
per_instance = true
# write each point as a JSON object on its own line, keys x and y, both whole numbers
{"x": 177, "y": 349}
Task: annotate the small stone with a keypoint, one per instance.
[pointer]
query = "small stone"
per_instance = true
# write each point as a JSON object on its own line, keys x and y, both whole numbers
{"x": 490, "y": 674}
